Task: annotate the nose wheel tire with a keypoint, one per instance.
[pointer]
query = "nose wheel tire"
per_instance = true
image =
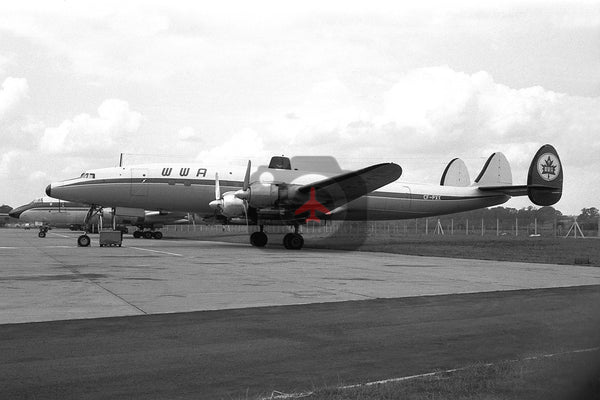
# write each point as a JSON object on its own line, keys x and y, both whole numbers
{"x": 258, "y": 239}
{"x": 293, "y": 241}
{"x": 83, "y": 241}
{"x": 42, "y": 234}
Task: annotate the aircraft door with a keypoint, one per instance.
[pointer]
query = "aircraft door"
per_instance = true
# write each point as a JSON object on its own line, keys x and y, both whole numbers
{"x": 139, "y": 186}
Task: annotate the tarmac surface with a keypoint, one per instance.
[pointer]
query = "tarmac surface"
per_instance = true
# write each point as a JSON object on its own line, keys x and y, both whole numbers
{"x": 132, "y": 322}
{"x": 52, "y": 279}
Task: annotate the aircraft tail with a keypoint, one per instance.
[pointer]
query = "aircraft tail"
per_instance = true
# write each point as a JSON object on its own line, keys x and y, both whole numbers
{"x": 495, "y": 172}
{"x": 456, "y": 174}
{"x": 545, "y": 177}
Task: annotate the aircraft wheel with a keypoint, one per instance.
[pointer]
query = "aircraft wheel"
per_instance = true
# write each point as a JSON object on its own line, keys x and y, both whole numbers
{"x": 286, "y": 240}
{"x": 157, "y": 235}
{"x": 83, "y": 241}
{"x": 259, "y": 239}
{"x": 147, "y": 235}
{"x": 42, "y": 234}
{"x": 296, "y": 241}
{"x": 137, "y": 234}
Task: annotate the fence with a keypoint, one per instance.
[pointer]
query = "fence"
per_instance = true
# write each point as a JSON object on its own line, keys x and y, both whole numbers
{"x": 412, "y": 227}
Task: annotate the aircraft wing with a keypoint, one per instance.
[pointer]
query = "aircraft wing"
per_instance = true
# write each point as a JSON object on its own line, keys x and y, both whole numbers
{"x": 341, "y": 189}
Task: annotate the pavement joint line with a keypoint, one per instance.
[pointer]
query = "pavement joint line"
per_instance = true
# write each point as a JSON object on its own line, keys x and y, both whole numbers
{"x": 157, "y": 251}
{"x": 276, "y": 395}
{"x": 76, "y": 272}
{"x": 58, "y": 234}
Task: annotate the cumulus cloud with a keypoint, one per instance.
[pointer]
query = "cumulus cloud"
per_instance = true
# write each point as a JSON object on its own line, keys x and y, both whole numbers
{"x": 189, "y": 134}
{"x": 237, "y": 150}
{"x": 86, "y": 134}
{"x": 430, "y": 115}
{"x": 13, "y": 91}
{"x": 438, "y": 111}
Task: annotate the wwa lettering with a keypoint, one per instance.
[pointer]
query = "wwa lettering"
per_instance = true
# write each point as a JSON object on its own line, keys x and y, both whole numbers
{"x": 167, "y": 171}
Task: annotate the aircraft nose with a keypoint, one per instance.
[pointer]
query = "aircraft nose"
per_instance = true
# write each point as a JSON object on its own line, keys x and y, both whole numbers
{"x": 49, "y": 190}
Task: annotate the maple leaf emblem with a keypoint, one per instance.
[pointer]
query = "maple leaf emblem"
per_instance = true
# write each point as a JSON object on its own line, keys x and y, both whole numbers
{"x": 548, "y": 167}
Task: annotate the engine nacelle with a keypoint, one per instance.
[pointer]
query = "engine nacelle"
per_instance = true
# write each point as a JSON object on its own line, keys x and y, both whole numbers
{"x": 263, "y": 195}
{"x": 231, "y": 206}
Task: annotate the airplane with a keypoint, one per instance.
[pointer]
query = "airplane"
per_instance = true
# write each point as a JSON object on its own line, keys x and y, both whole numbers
{"x": 273, "y": 194}
{"x": 47, "y": 213}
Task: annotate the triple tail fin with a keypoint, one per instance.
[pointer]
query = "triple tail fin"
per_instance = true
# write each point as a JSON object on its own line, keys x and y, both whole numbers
{"x": 544, "y": 179}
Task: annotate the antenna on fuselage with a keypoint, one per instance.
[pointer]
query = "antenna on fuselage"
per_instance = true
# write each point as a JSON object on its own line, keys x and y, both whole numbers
{"x": 121, "y": 160}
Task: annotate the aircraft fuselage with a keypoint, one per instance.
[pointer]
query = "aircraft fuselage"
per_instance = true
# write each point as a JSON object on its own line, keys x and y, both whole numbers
{"x": 190, "y": 188}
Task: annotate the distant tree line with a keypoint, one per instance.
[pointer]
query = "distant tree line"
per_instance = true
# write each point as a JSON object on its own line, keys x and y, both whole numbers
{"x": 525, "y": 218}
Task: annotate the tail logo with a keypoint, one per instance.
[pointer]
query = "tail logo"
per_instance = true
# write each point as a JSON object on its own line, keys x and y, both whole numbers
{"x": 548, "y": 167}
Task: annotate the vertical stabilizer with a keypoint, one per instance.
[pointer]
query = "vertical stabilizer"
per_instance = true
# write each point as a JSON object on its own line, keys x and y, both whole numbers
{"x": 495, "y": 172}
{"x": 545, "y": 177}
{"x": 456, "y": 174}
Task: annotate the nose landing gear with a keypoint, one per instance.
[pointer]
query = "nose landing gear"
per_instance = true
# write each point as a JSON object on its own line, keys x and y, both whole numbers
{"x": 43, "y": 231}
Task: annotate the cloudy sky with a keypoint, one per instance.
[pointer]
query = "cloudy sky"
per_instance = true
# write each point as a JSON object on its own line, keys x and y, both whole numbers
{"x": 367, "y": 82}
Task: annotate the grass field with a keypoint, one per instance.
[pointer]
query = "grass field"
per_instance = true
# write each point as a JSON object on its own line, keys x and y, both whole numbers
{"x": 566, "y": 376}
{"x": 543, "y": 249}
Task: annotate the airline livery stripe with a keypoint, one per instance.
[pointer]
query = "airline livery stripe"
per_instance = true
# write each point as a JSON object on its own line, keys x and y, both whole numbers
{"x": 239, "y": 184}
{"x": 129, "y": 181}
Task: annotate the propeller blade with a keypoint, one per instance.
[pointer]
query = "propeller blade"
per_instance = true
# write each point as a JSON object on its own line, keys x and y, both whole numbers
{"x": 247, "y": 177}
{"x": 246, "y": 214}
{"x": 217, "y": 187}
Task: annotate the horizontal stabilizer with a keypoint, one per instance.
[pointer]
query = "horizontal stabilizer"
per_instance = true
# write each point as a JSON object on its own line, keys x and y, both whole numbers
{"x": 456, "y": 174}
{"x": 341, "y": 189}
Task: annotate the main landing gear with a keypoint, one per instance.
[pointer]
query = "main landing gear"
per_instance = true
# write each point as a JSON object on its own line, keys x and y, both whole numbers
{"x": 148, "y": 234}
{"x": 259, "y": 239}
{"x": 291, "y": 241}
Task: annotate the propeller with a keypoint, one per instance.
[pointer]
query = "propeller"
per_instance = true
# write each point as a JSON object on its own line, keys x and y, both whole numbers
{"x": 217, "y": 203}
{"x": 228, "y": 204}
{"x": 244, "y": 194}
{"x": 217, "y": 186}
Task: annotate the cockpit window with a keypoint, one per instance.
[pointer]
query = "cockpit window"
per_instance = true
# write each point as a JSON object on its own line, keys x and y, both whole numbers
{"x": 280, "y": 163}
{"x": 88, "y": 175}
